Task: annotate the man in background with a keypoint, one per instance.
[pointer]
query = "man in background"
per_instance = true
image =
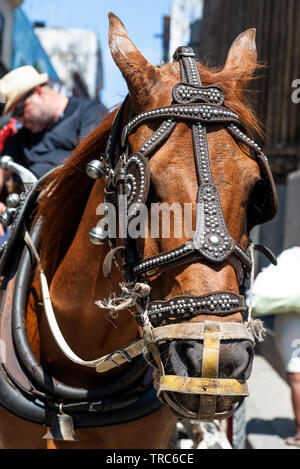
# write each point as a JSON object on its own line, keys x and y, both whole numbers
{"x": 52, "y": 124}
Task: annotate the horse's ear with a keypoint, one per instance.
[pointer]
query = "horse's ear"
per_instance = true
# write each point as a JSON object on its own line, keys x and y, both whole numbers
{"x": 241, "y": 60}
{"x": 137, "y": 71}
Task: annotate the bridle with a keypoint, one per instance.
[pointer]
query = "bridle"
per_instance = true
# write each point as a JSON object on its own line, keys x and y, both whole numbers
{"x": 25, "y": 387}
{"x": 130, "y": 174}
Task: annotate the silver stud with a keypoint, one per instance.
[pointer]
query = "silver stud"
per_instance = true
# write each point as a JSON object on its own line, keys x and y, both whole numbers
{"x": 214, "y": 240}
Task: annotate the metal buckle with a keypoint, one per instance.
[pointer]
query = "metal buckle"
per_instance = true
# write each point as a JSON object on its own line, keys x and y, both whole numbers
{"x": 183, "y": 52}
{"x": 186, "y": 54}
{"x": 124, "y": 354}
{"x": 96, "y": 406}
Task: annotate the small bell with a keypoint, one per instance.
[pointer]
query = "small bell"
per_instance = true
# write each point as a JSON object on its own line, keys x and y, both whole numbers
{"x": 5, "y": 162}
{"x": 98, "y": 234}
{"x": 61, "y": 428}
{"x": 95, "y": 169}
{"x": 7, "y": 217}
{"x": 13, "y": 200}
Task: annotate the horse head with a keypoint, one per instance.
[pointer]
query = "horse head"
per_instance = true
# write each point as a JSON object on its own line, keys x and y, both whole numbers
{"x": 187, "y": 143}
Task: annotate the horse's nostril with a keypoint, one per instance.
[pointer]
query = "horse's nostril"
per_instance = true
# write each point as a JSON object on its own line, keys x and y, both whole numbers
{"x": 185, "y": 358}
{"x": 236, "y": 359}
{"x": 177, "y": 361}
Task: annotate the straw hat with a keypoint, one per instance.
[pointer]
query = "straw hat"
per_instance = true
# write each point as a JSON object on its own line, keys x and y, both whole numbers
{"x": 17, "y": 83}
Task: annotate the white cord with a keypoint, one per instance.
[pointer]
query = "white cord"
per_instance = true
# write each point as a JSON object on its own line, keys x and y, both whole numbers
{"x": 251, "y": 282}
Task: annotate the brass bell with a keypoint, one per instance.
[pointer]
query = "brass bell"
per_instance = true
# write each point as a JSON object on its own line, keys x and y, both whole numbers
{"x": 61, "y": 428}
{"x": 95, "y": 169}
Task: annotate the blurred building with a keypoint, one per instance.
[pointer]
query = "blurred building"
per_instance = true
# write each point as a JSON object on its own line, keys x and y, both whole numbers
{"x": 7, "y": 8}
{"x": 165, "y": 37}
{"x": 27, "y": 49}
{"x": 76, "y": 56}
{"x": 184, "y": 13}
{"x": 278, "y": 43}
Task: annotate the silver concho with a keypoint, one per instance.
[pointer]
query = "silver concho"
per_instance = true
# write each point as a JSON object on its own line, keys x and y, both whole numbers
{"x": 137, "y": 181}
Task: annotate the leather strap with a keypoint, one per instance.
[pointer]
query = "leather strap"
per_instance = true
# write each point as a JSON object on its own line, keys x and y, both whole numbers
{"x": 185, "y": 307}
{"x": 183, "y": 254}
{"x": 195, "y": 331}
{"x": 206, "y": 386}
{"x": 103, "y": 364}
{"x": 210, "y": 369}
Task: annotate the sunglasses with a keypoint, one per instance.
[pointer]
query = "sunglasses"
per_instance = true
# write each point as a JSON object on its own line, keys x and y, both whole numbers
{"x": 19, "y": 109}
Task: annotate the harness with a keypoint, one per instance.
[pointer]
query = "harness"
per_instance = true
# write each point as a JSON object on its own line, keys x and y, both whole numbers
{"x": 26, "y": 389}
{"x": 31, "y": 393}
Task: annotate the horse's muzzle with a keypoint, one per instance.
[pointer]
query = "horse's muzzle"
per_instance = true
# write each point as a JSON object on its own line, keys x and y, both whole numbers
{"x": 204, "y": 368}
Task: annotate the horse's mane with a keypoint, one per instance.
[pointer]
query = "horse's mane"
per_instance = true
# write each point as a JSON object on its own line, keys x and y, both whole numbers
{"x": 62, "y": 207}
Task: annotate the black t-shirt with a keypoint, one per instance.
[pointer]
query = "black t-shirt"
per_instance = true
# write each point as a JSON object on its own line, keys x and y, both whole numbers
{"x": 43, "y": 151}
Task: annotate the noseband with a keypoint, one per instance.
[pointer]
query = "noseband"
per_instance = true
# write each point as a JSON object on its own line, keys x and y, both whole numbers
{"x": 200, "y": 106}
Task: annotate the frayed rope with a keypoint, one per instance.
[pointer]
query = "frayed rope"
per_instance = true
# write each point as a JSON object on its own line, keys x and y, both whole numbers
{"x": 129, "y": 298}
{"x": 257, "y": 329}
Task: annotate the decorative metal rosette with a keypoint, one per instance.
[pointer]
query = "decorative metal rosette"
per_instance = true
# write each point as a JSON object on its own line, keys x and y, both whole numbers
{"x": 137, "y": 181}
{"x": 213, "y": 241}
{"x": 185, "y": 307}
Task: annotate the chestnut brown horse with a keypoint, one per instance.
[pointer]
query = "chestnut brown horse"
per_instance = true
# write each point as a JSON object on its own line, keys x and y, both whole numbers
{"x": 73, "y": 265}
